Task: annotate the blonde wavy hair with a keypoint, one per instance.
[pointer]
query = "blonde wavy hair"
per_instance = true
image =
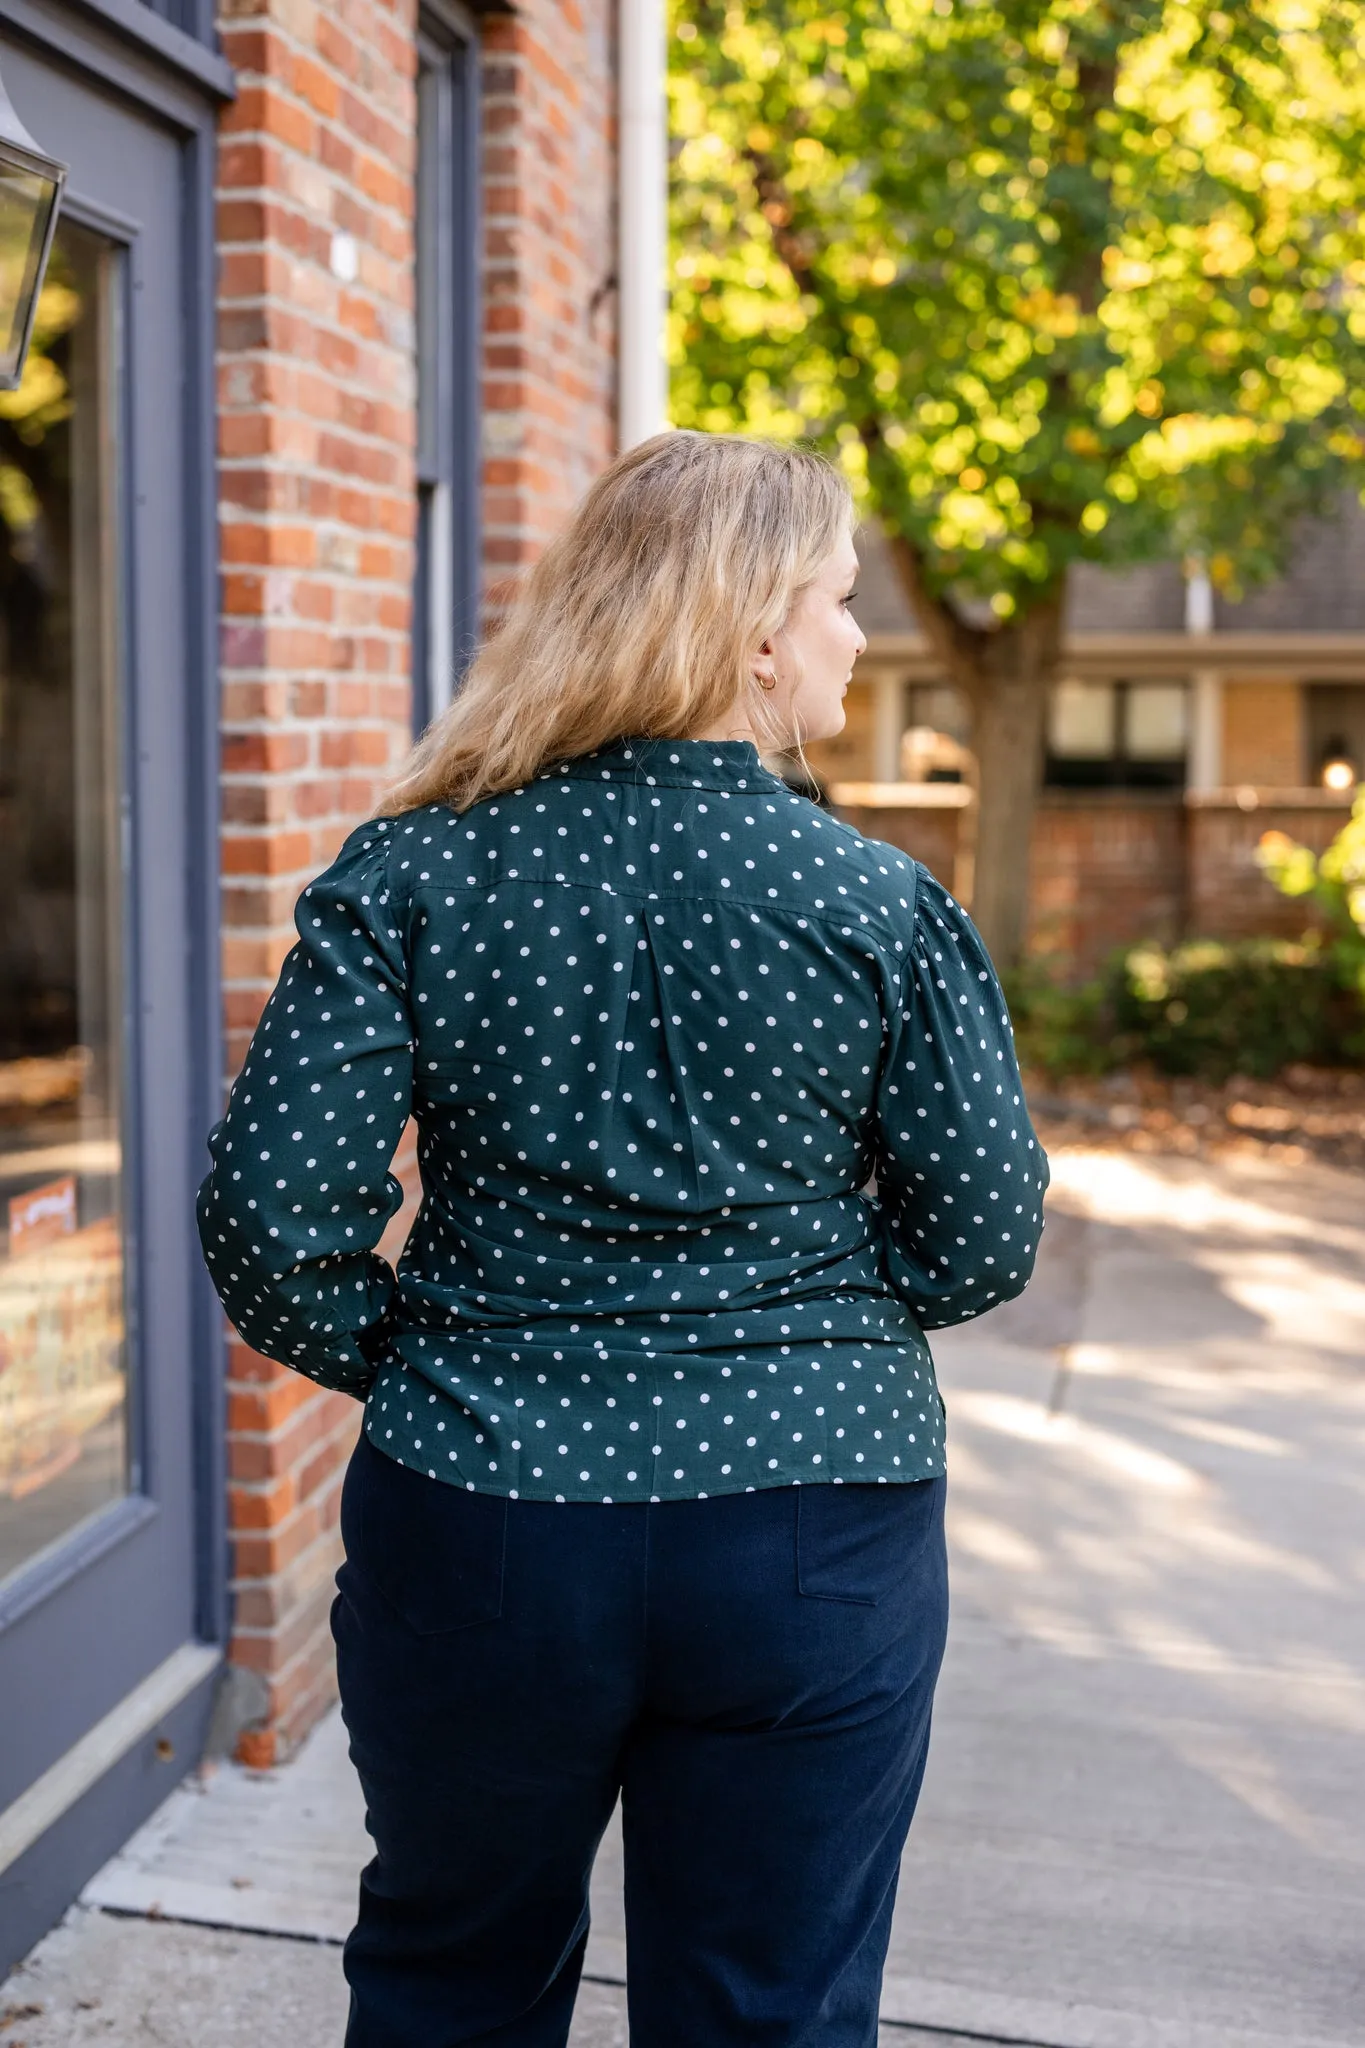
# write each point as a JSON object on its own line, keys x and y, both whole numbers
{"x": 641, "y": 620}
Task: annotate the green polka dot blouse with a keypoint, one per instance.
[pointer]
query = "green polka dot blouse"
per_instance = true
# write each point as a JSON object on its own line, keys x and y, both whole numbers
{"x": 660, "y": 1023}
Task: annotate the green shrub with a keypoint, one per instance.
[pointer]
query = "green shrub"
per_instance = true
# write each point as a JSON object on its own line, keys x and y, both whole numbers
{"x": 1334, "y": 880}
{"x": 1211, "y": 1010}
{"x": 1204, "y": 1009}
{"x": 1060, "y": 1029}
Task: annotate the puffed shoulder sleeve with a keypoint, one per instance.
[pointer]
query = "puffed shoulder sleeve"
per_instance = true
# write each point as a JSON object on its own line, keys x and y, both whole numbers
{"x": 960, "y": 1173}
{"x": 300, "y": 1190}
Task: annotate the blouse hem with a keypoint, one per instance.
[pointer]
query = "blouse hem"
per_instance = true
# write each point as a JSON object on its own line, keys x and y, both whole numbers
{"x": 635, "y": 1496}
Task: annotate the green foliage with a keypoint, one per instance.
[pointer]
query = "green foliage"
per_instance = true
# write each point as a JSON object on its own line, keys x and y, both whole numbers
{"x": 1334, "y": 881}
{"x": 1204, "y": 1009}
{"x": 1057, "y": 280}
{"x": 1061, "y": 1028}
{"x": 1213, "y": 1010}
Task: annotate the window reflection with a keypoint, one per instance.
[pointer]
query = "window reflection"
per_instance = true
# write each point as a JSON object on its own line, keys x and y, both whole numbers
{"x": 63, "y": 1373}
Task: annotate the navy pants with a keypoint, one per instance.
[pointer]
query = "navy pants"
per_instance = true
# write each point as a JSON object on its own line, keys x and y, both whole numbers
{"x": 752, "y": 1674}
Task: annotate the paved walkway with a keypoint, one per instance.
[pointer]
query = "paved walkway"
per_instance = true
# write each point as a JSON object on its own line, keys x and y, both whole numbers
{"x": 1144, "y": 1821}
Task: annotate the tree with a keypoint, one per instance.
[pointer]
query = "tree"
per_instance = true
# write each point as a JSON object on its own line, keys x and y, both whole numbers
{"x": 1057, "y": 281}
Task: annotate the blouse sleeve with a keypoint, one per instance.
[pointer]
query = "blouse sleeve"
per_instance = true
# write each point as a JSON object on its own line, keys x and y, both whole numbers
{"x": 300, "y": 1190}
{"x": 960, "y": 1174}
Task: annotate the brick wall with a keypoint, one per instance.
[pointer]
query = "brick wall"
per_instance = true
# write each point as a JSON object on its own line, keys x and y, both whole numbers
{"x": 1111, "y": 869}
{"x": 316, "y": 445}
{"x": 1262, "y": 734}
{"x": 928, "y": 835}
{"x": 548, "y": 395}
{"x": 1106, "y": 873}
{"x": 1229, "y": 896}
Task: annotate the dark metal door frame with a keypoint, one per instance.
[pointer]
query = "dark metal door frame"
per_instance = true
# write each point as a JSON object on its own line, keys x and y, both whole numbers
{"x": 154, "y": 1677}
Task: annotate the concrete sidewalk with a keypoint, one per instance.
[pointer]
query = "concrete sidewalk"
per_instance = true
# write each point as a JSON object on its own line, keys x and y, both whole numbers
{"x": 1144, "y": 1821}
{"x": 103, "y": 1982}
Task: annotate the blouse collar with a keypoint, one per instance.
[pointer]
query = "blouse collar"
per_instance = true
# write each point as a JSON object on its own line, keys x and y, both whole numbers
{"x": 696, "y": 764}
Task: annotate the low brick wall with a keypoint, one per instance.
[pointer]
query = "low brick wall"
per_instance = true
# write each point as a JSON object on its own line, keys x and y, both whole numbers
{"x": 1106, "y": 874}
{"x": 1229, "y": 897}
{"x": 1111, "y": 868}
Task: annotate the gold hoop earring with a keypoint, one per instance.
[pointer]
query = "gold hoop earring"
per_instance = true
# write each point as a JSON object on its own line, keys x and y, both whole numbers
{"x": 769, "y": 684}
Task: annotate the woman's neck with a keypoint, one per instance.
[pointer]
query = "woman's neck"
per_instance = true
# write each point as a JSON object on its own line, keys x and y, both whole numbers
{"x": 726, "y": 729}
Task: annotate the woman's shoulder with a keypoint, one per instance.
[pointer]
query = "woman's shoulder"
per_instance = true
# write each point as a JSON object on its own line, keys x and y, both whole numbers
{"x": 920, "y": 911}
{"x": 363, "y": 854}
{"x": 366, "y": 879}
{"x": 882, "y": 881}
{"x": 395, "y": 850}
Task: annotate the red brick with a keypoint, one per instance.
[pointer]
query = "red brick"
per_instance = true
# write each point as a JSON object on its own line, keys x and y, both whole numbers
{"x": 316, "y": 437}
{"x": 268, "y": 1406}
{"x": 257, "y": 1748}
{"x": 264, "y": 854}
{"x": 312, "y": 83}
{"x": 261, "y": 109}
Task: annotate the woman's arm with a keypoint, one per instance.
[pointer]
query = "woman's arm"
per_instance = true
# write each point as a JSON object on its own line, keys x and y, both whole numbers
{"x": 960, "y": 1174}
{"x": 300, "y": 1190}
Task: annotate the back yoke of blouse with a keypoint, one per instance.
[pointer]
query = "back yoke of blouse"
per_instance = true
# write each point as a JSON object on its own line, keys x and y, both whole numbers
{"x": 660, "y": 1021}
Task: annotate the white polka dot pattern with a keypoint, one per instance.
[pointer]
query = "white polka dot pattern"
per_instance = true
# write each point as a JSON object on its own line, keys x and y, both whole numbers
{"x": 660, "y": 1021}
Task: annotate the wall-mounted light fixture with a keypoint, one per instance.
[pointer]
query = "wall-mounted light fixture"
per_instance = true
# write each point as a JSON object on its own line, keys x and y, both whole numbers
{"x": 30, "y": 193}
{"x": 1337, "y": 771}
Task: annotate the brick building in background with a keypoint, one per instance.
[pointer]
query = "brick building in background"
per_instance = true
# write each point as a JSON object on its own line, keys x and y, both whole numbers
{"x": 333, "y": 325}
{"x": 1185, "y": 726}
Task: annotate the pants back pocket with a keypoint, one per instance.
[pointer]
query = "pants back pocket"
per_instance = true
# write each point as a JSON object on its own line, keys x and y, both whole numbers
{"x": 862, "y": 1544}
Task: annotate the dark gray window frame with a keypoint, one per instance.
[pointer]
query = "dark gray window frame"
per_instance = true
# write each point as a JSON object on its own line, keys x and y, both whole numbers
{"x": 446, "y": 579}
{"x": 179, "y": 33}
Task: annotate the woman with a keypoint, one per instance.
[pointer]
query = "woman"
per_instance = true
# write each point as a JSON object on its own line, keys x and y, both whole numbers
{"x": 649, "y": 1495}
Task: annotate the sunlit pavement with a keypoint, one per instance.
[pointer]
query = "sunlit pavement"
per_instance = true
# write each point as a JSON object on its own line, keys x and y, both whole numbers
{"x": 1145, "y": 1815}
{"x": 1144, "y": 1821}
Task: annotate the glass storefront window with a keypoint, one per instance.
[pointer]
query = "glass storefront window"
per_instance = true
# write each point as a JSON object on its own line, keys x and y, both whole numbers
{"x": 64, "y": 1435}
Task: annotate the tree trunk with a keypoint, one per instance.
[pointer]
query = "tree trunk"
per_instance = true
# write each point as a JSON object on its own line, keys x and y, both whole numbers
{"x": 1009, "y": 712}
{"x": 1005, "y": 673}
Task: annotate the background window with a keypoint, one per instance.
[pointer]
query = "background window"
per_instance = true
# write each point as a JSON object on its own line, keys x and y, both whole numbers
{"x": 940, "y": 708}
{"x": 1336, "y": 727}
{"x": 1083, "y": 722}
{"x": 1156, "y": 724}
{"x": 1124, "y": 735}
